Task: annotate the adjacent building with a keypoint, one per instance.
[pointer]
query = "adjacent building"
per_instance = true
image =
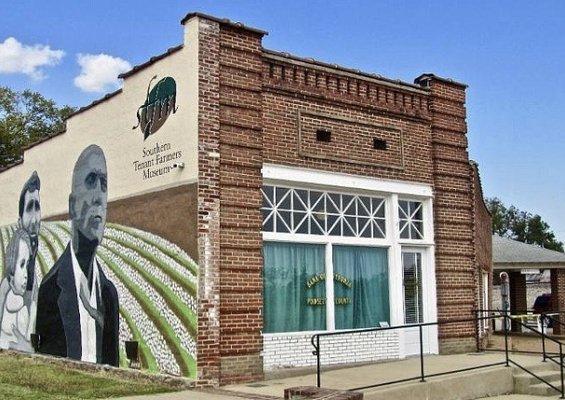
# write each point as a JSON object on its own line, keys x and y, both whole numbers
{"x": 528, "y": 267}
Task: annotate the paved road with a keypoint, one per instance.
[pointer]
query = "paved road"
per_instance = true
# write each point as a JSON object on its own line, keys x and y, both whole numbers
{"x": 184, "y": 395}
{"x": 196, "y": 395}
{"x": 518, "y": 397}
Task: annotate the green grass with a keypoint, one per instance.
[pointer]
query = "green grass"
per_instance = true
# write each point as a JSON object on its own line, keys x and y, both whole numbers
{"x": 23, "y": 378}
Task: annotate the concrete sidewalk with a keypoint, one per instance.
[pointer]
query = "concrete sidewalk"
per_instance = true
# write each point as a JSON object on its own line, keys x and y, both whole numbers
{"x": 184, "y": 395}
{"x": 517, "y": 397}
{"x": 350, "y": 377}
{"x": 347, "y": 378}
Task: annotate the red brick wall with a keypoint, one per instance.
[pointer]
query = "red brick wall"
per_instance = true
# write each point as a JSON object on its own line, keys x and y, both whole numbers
{"x": 230, "y": 160}
{"x": 483, "y": 239}
{"x": 483, "y": 225}
{"x": 364, "y": 115}
{"x": 558, "y": 296}
{"x": 208, "y": 340}
{"x": 518, "y": 295}
{"x": 350, "y": 141}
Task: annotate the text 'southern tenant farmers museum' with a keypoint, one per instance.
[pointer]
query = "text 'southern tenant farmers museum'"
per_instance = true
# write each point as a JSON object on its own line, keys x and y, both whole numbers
{"x": 231, "y": 200}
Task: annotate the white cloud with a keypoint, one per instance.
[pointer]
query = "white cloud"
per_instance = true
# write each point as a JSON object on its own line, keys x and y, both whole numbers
{"x": 99, "y": 72}
{"x": 18, "y": 58}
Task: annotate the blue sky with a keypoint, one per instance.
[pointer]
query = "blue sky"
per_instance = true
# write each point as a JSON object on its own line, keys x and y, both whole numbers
{"x": 510, "y": 53}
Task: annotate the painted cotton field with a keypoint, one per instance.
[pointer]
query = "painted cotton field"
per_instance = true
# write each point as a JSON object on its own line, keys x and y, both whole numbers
{"x": 156, "y": 283}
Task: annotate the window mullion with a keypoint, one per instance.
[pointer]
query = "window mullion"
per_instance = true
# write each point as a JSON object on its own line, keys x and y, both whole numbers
{"x": 330, "y": 303}
{"x": 396, "y": 271}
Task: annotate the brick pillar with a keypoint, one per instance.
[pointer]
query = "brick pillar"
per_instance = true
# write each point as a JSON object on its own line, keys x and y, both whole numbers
{"x": 518, "y": 296}
{"x": 241, "y": 155}
{"x": 558, "y": 296}
{"x": 453, "y": 213}
{"x": 229, "y": 188}
{"x": 208, "y": 338}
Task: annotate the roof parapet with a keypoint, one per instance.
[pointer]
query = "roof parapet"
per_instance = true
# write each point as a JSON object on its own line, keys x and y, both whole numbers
{"x": 312, "y": 62}
{"x": 152, "y": 60}
{"x": 224, "y": 21}
{"x": 424, "y": 79}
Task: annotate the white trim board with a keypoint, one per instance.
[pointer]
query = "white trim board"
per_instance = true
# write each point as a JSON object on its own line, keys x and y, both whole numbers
{"x": 278, "y": 173}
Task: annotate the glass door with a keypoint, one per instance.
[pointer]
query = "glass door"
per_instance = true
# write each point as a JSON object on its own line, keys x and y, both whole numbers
{"x": 413, "y": 300}
{"x": 412, "y": 282}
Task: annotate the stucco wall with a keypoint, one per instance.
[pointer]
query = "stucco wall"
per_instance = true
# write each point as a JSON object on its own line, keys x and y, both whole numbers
{"x": 109, "y": 125}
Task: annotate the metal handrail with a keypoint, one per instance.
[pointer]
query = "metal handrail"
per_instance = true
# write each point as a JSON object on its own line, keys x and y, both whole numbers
{"x": 315, "y": 341}
{"x": 543, "y": 337}
{"x": 545, "y": 316}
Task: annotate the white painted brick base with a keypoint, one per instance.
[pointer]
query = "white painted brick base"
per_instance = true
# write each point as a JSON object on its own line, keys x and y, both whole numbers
{"x": 293, "y": 350}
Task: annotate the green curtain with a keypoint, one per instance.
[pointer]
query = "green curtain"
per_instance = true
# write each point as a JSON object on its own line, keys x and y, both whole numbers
{"x": 360, "y": 286}
{"x": 294, "y": 290}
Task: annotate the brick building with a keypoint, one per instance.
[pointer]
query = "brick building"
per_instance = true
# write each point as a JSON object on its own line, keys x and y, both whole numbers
{"x": 273, "y": 172}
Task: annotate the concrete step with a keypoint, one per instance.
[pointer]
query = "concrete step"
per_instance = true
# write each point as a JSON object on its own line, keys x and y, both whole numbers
{"x": 541, "y": 389}
{"x": 523, "y": 381}
{"x": 462, "y": 386}
{"x": 535, "y": 368}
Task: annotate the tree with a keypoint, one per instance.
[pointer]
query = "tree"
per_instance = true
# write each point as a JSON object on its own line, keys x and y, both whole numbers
{"x": 499, "y": 214}
{"x": 26, "y": 117}
{"x": 521, "y": 225}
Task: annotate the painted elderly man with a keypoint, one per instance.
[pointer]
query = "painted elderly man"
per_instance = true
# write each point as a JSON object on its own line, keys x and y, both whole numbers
{"x": 29, "y": 222}
{"x": 77, "y": 312}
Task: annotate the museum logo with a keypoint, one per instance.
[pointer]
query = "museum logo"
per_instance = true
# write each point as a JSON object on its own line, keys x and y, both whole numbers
{"x": 159, "y": 104}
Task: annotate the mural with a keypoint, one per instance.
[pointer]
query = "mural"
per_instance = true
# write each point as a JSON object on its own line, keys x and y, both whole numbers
{"x": 102, "y": 284}
{"x": 18, "y": 288}
{"x": 77, "y": 306}
{"x": 159, "y": 104}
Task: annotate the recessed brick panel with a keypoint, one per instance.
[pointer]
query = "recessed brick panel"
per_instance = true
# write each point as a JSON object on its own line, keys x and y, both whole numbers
{"x": 281, "y": 140}
{"x": 351, "y": 140}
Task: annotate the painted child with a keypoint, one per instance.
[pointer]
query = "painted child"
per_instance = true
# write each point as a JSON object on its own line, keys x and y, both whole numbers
{"x": 14, "y": 309}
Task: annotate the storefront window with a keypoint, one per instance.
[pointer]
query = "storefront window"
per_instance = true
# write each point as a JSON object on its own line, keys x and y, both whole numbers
{"x": 316, "y": 239}
{"x": 360, "y": 286}
{"x": 294, "y": 287}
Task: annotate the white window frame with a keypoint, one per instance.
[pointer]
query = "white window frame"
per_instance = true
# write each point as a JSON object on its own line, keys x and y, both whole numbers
{"x": 391, "y": 191}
